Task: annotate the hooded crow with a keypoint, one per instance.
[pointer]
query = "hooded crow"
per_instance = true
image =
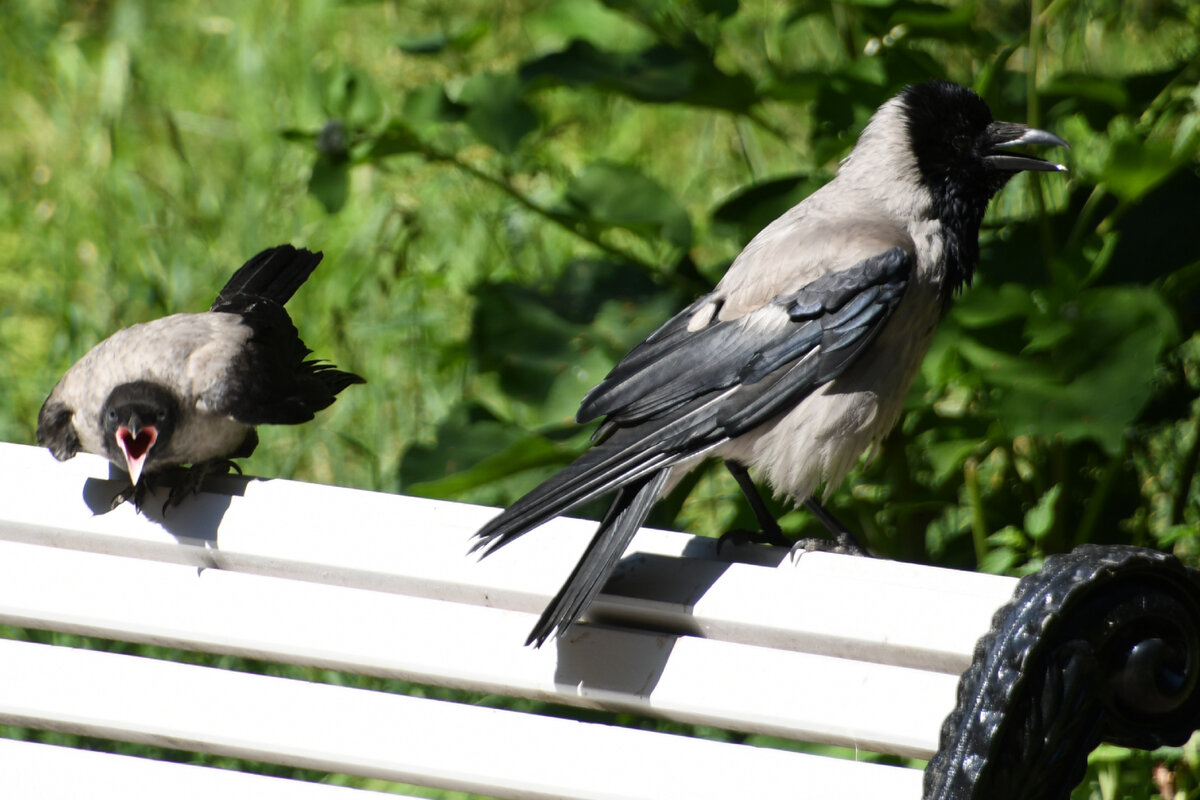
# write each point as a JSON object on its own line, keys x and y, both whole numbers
{"x": 800, "y": 358}
{"x": 188, "y": 389}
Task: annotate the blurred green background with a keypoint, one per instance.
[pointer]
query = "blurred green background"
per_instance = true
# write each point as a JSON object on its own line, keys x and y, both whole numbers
{"x": 511, "y": 194}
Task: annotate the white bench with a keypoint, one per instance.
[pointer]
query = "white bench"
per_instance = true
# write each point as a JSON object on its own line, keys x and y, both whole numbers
{"x": 830, "y": 649}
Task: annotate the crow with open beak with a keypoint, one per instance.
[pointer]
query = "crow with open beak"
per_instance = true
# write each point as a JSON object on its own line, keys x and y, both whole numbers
{"x": 800, "y": 358}
{"x": 188, "y": 389}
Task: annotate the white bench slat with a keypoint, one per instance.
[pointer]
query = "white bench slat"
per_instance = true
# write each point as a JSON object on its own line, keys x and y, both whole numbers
{"x": 397, "y": 737}
{"x": 760, "y": 690}
{"x": 822, "y": 604}
{"x": 852, "y": 651}
{"x": 34, "y": 771}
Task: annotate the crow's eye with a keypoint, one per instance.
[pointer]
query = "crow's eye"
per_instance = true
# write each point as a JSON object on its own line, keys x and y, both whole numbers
{"x": 112, "y": 415}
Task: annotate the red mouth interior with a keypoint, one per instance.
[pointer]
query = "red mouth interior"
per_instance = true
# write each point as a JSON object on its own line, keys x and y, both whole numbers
{"x": 136, "y": 446}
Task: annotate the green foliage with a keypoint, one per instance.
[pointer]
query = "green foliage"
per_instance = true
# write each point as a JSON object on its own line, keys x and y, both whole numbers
{"x": 511, "y": 195}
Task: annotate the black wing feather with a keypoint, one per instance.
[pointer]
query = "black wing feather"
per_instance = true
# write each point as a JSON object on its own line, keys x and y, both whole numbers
{"x": 654, "y": 349}
{"x": 661, "y": 413}
{"x": 274, "y": 274}
{"x": 732, "y": 352}
{"x": 56, "y": 431}
{"x": 274, "y": 382}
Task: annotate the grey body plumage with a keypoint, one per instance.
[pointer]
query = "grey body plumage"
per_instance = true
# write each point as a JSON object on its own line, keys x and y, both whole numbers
{"x": 188, "y": 389}
{"x": 800, "y": 358}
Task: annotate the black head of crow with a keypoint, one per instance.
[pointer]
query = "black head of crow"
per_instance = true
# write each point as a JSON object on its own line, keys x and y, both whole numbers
{"x": 189, "y": 389}
{"x": 799, "y": 360}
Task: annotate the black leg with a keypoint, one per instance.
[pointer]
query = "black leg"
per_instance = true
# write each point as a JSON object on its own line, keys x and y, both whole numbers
{"x": 767, "y": 522}
{"x": 126, "y": 494}
{"x": 193, "y": 477}
{"x": 133, "y": 494}
{"x": 769, "y": 531}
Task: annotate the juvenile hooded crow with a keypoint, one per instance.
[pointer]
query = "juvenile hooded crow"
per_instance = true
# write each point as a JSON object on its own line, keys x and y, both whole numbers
{"x": 188, "y": 389}
{"x": 801, "y": 357}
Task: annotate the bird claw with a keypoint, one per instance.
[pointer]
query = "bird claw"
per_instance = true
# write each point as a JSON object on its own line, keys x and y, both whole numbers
{"x": 131, "y": 493}
{"x": 741, "y": 536}
{"x": 120, "y": 497}
{"x": 842, "y": 544}
{"x": 192, "y": 479}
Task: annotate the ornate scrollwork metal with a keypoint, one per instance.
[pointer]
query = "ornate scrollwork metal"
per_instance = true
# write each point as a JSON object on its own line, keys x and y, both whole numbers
{"x": 1101, "y": 644}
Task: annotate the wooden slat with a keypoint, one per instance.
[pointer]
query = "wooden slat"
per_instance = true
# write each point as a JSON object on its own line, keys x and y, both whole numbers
{"x": 755, "y": 689}
{"x": 33, "y": 771}
{"x": 397, "y": 737}
{"x": 823, "y": 604}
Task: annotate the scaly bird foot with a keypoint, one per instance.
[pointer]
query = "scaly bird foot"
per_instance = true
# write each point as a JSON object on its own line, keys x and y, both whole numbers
{"x": 193, "y": 478}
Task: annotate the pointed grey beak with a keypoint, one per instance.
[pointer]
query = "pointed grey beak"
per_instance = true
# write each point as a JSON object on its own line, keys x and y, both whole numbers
{"x": 1014, "y": 134}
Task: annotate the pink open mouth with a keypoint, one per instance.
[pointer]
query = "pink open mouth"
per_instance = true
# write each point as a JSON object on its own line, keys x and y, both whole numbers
{"x": 135, "y": 448}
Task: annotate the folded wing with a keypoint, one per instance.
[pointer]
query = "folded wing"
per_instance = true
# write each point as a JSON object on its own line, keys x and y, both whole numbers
{"x": 684, "y": 392}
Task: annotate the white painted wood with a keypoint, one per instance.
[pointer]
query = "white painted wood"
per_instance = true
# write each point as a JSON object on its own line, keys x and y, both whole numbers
{"x": 830, "y": 649}
{"x": 33, "y": 771}
{"x": 749, "y": 688}
{"x": 397, "y": 737}
{"x": 822, "y": 604}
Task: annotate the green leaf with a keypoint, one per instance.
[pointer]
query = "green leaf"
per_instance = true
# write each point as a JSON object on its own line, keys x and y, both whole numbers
{"x": 297, "y": 135}
{"x": 927, "y": 19}
{"x": 543, "y": 350}
{"x": 517, "y": 335}
{"x": 431, "y": 104}
{"x": 1045, "y": 332}
{"x": 330, "y": 182}
{"x": 1000, "y": 367}
{"x": 1040, "y": 519}
{"x": 1135, "y": 167}
{"x": 999, "y": 561}
{"x": 566, "y": 20}
{"x": 496, "y": 110}
{"x": 621, "y": 195}
{"x": 986, "y": 306}
{"x": 480, "y": 459}
{"x": 1090, "y": 384}
{"x": 795, "y": 86}
{"x": 1009, "y": 537}
{"x": 114, "y": 78}
{"x": 753, "y": 207}
{"x": 1080, "y": 86}
{"x": 397, "y": 138}
{"x": 433, "y": 43}
{"x": 722, "y": 9}
{"x": 660, "y": 74}
{"x": 846, "y": 99}
{"x": 497, "y": 467}
{"x": 947, "y": 457}
{"x": 423, "y": 44}
{"x": 348, "y": 94}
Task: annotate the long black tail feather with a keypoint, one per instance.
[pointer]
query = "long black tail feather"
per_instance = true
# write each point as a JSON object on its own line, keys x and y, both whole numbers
{"x": 598, "y": 471}
{"x": 624, "y": 457}
{"x": 274, "y": 274}
{"x": 628, "y": 511}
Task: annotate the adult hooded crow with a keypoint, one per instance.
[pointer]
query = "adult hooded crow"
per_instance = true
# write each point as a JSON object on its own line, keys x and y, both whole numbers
{"x": 189, "y": 388}
{"x": 801, "y": 357}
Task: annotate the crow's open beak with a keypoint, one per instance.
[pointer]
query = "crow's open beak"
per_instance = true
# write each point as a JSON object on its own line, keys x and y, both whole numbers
{"x": 135, "y": 442}
{"x": 1013, "y": 134}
